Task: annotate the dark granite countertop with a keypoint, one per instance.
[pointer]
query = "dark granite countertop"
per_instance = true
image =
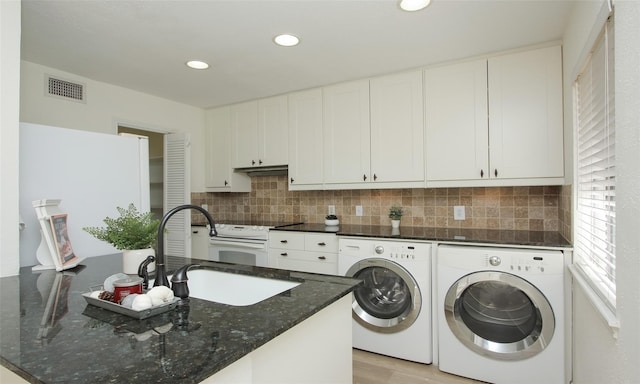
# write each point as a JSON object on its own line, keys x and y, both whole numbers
{"x": 49, "y": 334}
{"x": 457, "y": 235}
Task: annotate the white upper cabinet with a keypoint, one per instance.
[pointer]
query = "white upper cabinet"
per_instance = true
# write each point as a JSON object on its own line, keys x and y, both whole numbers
{"x": 305, "y": 140}
{"x": 496, "y": 122}
{"x": 219, "y": 175}
{"x": 397, "y": 128}
{"x": 273, "y": 131}
{"x": 374, "y": 133}
{"x": 260, "y": 133}
{"x": 457, "y": 121}
{"x": 525, "y": 114}
{"x": 244, "y": 134}
{"x": 346, "y": 133}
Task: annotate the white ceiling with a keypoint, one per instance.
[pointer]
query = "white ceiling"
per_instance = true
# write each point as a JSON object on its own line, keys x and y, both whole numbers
{"x": 143, "y": 45}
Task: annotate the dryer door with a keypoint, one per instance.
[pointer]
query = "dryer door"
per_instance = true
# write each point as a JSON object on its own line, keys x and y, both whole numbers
{"x": 389, "y": 299}
{"x": 499, "y": 315}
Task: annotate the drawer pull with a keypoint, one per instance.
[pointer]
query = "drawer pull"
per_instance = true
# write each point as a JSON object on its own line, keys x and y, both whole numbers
{"x": 284, "y": 241}
{"x": 322, "y": 258}
{"x": 322, "y": 244}
{"x": 284, "y": 254}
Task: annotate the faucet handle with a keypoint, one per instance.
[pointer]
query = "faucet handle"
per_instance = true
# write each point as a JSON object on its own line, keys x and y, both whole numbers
{"x": 179, "y": 280}
{"x": 143, "y": 272}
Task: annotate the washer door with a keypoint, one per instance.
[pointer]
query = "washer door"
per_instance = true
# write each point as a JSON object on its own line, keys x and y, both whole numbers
{"x": 389, "y": 299}
{"x": 499, "y": 315}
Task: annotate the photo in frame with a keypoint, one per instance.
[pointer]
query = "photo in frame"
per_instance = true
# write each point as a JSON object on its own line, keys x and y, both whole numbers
{"x": 63, "y": 247}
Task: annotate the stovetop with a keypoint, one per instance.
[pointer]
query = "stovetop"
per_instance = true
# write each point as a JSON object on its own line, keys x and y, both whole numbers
{"x": 257, "y": 230}
{"x": 258, "y": 223}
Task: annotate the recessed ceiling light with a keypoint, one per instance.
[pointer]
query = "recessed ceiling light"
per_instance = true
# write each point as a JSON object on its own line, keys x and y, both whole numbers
{"x": 414, "y": 5}
{"x": 197, "y": 64}
{"x": 286, "y": 40}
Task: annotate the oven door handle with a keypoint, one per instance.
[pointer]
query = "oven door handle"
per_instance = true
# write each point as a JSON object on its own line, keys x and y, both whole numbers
{"x": 237, "y": 244}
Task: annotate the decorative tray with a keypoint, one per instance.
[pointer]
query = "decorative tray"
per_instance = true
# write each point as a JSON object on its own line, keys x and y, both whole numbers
{"x": 143, "y": 314}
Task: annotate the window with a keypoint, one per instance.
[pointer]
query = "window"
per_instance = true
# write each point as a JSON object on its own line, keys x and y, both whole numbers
{"x": 595, "y": 224}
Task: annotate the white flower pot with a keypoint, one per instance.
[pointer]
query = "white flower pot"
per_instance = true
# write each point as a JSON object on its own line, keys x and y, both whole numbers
{"x": 395, "y": 223}
{"x": 331, "y": 223}
{"x": 132, "y": 258}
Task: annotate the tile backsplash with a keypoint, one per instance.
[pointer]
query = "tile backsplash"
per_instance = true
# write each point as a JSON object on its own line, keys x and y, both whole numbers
{"x": 521, "y": 208}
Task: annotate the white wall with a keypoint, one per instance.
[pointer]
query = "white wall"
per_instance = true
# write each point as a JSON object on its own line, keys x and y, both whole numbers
{"x": 106, "y": 106}
{"x": 9, "y": 113}
{"x": 598, "y": 357}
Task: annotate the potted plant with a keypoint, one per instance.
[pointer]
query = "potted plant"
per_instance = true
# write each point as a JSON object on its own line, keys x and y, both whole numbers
{"x": 331, "y": 220}
{"x": 133, "y": 232}
{"x": 395, "y": 213}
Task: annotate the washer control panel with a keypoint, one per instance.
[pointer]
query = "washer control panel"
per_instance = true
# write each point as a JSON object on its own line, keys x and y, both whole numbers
{"x": 394, "y": 250}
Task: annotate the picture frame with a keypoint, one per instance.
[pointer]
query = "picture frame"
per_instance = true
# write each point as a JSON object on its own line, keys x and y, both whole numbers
{"x": 60, "y": 234}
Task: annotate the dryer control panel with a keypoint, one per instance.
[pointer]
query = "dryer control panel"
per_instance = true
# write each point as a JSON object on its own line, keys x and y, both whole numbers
{"x": 518, "y": 261}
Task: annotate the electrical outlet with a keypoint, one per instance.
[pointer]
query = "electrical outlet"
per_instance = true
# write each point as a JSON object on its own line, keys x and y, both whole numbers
{"x": 358, "y": 210}
{"x": 331, "y": 210}
{"x": 205, "y": 207}
{"x": 458, "y": 212}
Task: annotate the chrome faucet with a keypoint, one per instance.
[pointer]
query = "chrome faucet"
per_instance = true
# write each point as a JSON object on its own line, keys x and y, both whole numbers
{"x": 161, "y": 273}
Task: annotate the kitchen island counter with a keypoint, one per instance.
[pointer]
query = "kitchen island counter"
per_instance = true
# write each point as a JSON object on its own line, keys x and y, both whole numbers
{"x": 49, "y": 334}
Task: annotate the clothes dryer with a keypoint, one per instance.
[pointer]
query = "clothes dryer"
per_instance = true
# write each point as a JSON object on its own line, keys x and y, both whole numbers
{"x": 500, "y": 314}
{"x": 392, "y": 309}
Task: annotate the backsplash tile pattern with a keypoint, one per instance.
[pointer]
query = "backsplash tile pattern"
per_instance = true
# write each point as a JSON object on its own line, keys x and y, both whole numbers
{"x": 518, "y": 208}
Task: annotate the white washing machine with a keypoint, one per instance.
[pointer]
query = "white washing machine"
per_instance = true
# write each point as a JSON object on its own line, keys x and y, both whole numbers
{"x": 500, "y": 314}
{"x": 392, "y": 309}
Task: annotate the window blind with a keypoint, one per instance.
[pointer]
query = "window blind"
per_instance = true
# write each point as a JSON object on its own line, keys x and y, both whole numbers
{"x": 595, "y": 245}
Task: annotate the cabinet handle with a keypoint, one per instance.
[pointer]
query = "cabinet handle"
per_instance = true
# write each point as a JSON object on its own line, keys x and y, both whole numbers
{"x": 284, "y": 254}
{"x": 364, "y": 177}
{"x": 226, "y": 183}
{"x": 481, "y": 173}
{"x": 253, "y": 162}
{"x": 375, "y": 177}
{"x": 260, "y": 162}
{"x": 283, "y": 241}
{"x": 322, "y": 258}
{"x": 322, "y": 244}
{"x": 292, "y": 180}
{"x": 195, "y": 232}
{"x": 496, "y": 172}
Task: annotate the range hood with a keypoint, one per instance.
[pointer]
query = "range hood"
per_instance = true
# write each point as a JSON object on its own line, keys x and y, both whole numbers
{"x": 275, "y": 170}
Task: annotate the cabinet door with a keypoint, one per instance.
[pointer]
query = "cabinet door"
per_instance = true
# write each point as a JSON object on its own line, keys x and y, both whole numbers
{"x": 456, "y": 122}
{"x": 305, "y": 138}
{"x": 219, "y": 175}
{"x": 397, "y": 128}
{"x": 244, "y": 134}
{"x": 346, "y": 133}
{"x": 272, "y": 131}
{"x": 525, "y": 114}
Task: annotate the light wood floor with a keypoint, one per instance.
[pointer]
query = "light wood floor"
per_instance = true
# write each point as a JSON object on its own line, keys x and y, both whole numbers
{"x": 371, "y": 368}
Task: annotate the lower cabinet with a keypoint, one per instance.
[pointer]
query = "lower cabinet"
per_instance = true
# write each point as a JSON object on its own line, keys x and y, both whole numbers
{"x": 303, "y": 251}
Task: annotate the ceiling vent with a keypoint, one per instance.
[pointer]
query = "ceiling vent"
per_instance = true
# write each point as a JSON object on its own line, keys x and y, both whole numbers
{"x": 65, "y": 89}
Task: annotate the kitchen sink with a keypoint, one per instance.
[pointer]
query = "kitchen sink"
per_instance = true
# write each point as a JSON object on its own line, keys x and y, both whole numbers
{"x": 234, "y": 289}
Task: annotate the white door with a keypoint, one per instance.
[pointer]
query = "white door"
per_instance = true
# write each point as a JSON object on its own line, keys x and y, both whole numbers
{"x": 177, "y": 191}
{"x": 457, "y": 146}
{"x": 397, "y": 128}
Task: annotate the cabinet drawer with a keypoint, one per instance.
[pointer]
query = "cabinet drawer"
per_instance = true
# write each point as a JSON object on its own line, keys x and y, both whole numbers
{"x": 313, "y": 262}
{"x": 286, "y": 240}
{"x": 321, "y": 243}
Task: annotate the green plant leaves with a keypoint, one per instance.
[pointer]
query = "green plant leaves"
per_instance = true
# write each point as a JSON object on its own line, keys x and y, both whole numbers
{"x": 132, "y": 230}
